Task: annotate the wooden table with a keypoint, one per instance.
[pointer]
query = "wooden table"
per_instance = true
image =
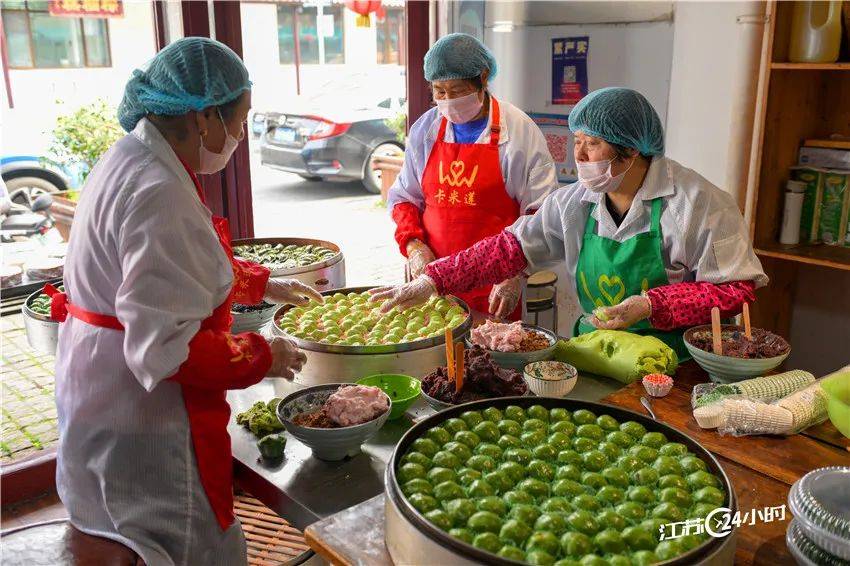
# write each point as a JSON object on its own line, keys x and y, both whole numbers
{"x": 761, "y": 468}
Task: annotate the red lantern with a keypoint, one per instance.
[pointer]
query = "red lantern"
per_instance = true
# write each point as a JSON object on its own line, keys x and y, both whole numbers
{"x": 363, "y": 8}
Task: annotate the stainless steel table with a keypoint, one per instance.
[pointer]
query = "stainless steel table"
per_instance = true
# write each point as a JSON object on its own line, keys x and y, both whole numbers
{"x": 303, "y": 489}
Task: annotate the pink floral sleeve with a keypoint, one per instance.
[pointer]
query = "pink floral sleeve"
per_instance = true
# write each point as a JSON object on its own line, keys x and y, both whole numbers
{"x": 490, "y": 261}
{"x": 690, "y": 303}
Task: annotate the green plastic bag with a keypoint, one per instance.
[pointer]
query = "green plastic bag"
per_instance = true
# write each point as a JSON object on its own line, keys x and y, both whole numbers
{"x": 623, "y": 356}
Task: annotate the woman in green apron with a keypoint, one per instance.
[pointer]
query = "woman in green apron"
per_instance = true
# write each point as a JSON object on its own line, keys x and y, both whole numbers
{"x": 651, "y": 246}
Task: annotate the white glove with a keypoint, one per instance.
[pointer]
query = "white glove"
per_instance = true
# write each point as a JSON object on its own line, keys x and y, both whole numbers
{"x": 418, "y": 256}
{"x": 290, "y": 292}
{"x": 287, "y": 359}
{"x": 629, "y": 312}
{"x": 504, "y": 297}
{"x": 405, "y": 296}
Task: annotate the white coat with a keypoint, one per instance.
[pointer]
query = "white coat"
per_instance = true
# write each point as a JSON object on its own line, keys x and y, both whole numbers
{"x": 705, "y": 237}
{"x": 143, "y": 249}
{"x": 527, "y": 167}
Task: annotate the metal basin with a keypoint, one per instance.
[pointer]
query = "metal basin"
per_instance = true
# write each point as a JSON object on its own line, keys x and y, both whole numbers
{"x": 410, "y": 537}
{"x": 42, "y": 333}
{"x": 323, "y": 276}
{"x": 334, "y": 363}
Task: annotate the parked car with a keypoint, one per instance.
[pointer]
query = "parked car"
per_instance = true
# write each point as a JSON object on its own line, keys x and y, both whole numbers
{"x": 27, "y": 177}
{"x": 327, "y": 142}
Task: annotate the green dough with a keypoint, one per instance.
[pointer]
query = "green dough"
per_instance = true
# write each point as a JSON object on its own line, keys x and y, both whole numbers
{"x": 639, "y": 538}
{"x": 484, "y": 521}
{"x": 641, "y": 494}
{"x": 471, "y": 418}
{"x": 674, "y": 449}
{"x": 585, "y": 502}
{"x": 567, "y": 562}
{"x": 645, "y": 476}
{"x": 545, "y": 452}
{"x": 515, "y": 413}
{"x": 481, "y": 488}
{"x": 510, "y": 427}
{"x": 618, "y": 560}
{"x": 487, "y": 541}
{"x": 534, "y": 424}
{"x": 616, "y": 477}
{"x": 462, "y": 451}
{"x": 410, "y": 471}
{"x": 492, "y": 504}
{"x": 417, "y": 486}
{"x": 593, "y": 480}
{"x": 643, "y": 453}
{"x": 440, "y": 518}
{"x": 633, "y": 429}
{"x": 512, "y": 553}
{"x": 539, "y": 558}
{"x": 654, "y": 439}
{"x": 609, "y": 519}
{"x": 468, "y": 437}
{"x": 569, "y": 472}
{"x": 559, "y": 441}
{"x": 425, "y": 446}
{"x": 583, "y": 522}
{"x": 446, "y": 459}
{"x": 569, "y": 457}
{"x": 466, "y": 476}
{"x": 493, "y": 414}
{"x": 514, "y": 497}
{"x": 460, "y": 510}
{"x": 423, "y": 503}
{"x": 672, "y": 481}
{"x": 667, "y": 465}
{"x": 527, "y": 514}
{"x": 559, "y": 414}
{"x": 481, "y": 463}
{"x": 487, "y": 431}
{"x": 710, "y": 495}
{"x": 567, "y": 427}
{"x": 491, "y": 450}
{"x": 581, "y": 444}
{"x": 439, "y": 435}
{"x": 644, "y": 558}
{"x": 593, "y": 560}
{"x": 692, "y": 464}
{"x": 417, "y": 458}
{"x": 534, "y": 487}
{"x": 519, "y": 455}
{"x": 680, "y": 497}
{"x": 532, "y": 437}
{"x": 631, "y": 510}
{"x": 629, "y": 463}
{"x": 555, "y": 523}
{"x": 501, "y": 482}
{"x": 619, "y": 355}
{"x": 508, "y": 441}
{"x": 567, "y": 488}
{"x": 576, "y": 544}
{"x": 538, "y": 412}
{"x": 556, "y": 505}
{"x": 514, "y": 470}
{"x": 701, "y": 479}
{"x": 669, "y": 512}
{"x": 595, "y": 460}
{"x": 609, "y": 541}
{"x": 608, "y": 423}
{"x": 701, "y": 510}
{"x": 592, "y": 431}
{"x": 611, "y": 495}
{"x": 462, "y": 534}
{"x": 583, "y": 416}
{"x": 620, "y": 438}
{"x": 541, "y": 470}
{"x": 668, "y": 549}
{"x": 545, "y": 541}
{"x": 611, "y": 450}
{"x": 448, "y": 490}
{"x": 455, "y": 425}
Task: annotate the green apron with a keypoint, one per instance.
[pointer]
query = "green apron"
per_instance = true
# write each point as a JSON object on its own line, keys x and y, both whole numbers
{"x": 609, "y": 272}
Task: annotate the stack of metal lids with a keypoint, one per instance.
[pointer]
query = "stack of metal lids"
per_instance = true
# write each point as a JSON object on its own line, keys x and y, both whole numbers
{"x": 820, "y": 531}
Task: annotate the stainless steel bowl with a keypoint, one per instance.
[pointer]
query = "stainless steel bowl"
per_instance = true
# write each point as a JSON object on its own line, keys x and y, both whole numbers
{"x": 330, "y": 363}
{"x": 42, "y": 332}
{"x": 322, "y": 276}
{"x": 410, "y": 537}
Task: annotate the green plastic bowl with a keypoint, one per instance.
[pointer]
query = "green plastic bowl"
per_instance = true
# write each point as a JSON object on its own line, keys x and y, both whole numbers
{"x": 837, "y": 389}
{"x": 401, "y": 389}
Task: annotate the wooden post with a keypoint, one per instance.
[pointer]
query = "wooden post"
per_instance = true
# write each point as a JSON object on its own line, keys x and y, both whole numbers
{"x": 417, "y": 16}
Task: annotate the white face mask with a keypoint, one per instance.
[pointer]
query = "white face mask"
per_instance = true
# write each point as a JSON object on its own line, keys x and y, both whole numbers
{"x": 596, "y": 176}
{"x": 460, "y": 110}
{"x": 211, "y": 162}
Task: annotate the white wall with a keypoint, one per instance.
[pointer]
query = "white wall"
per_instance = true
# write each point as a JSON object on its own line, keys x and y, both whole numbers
{"x": 27, "y": 127}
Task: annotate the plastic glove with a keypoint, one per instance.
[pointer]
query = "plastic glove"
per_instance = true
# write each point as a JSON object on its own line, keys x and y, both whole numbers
{"x": 287, "y": 359}
{"x": 504, "y": 297}
{"x": 418, "y": 256}
{"x": 622, "y": 316}
{"x": 291, "y": 292}
{"x": 405, "y": 296}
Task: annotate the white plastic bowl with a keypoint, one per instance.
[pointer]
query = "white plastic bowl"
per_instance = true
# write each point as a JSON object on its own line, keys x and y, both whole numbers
{"x": 551, "y": 387}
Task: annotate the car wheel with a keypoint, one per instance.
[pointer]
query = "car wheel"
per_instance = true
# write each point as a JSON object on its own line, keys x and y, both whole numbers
{"x": 311, "y": 178}
{"x": 372, "y": 177}
{"x": 24, "y": 189}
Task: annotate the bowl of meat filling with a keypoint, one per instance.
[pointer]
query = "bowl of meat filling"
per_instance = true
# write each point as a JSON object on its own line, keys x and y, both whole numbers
{"x": 334, "y": 419}
{"x": 741, "y": 357}
{"x": 514, "y": 345}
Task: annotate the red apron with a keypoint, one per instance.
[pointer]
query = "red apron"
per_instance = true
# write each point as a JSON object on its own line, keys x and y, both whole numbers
{"x": 207, "y": 410}
{"x": 466, "y": 200}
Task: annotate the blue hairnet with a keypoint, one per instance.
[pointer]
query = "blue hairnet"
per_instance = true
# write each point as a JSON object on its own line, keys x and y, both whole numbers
{"x": 458, "y": 56}
{"x": 192, "y": 73}
{"x": 622, "y": 116}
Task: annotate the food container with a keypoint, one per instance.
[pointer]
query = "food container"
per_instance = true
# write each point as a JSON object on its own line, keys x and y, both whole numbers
{"x": 805, "y": 551}
{"x": 42, "y": 332}
{"x": 837, "y": 389}
{"x": 322, "y": 276}
{"x": 401, "y": 389}
{"x": 518, "y": 360}
{"x": 726, "y": 369}
{"x": 330, "y": 444}
{"x": 252, "y": 321}
{"x": 409, "y": 536}
{"x": 10, "y": 276}
{"x": 820, "y": 503}
{"x": 565, "y": 378}
{"x": 435, "y": 403}
{"x": 331, "y": 363}
{"x": 657, "y": 384}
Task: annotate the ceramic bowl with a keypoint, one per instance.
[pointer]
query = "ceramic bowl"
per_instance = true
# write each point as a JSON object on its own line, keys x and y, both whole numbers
{"x": 401, "y": 389}
{"x": 326, "y": 443}
{"x": 726, "y": 369}
{"x": 518, "y": 360}
{"x": 551, "y": 387}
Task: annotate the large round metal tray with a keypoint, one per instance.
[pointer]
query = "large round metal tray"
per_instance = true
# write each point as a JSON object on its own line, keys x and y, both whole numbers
{"x": 469, "y": 552}
{"x": 283, "y": 271}
{"x": 458, "y": 333}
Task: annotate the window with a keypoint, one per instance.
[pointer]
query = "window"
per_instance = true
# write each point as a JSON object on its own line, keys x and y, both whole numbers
{"x": 38, "y": 40}
{"x": 390, "y": 34}
{"x": 320, "y": 35}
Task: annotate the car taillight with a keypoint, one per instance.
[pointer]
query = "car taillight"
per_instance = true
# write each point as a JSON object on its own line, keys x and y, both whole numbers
{"x": 327, "y": 129}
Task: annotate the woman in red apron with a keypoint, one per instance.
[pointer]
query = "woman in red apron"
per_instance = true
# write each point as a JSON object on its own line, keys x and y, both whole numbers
{"x": 145, "y": 354}
{"x": 472, "y": 166}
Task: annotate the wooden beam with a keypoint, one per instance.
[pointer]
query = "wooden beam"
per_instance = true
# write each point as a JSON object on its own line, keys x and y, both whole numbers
{"x": 417, "y": 19}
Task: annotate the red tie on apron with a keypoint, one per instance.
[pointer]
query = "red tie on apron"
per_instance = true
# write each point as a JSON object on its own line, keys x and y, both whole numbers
{"x": 466, "y": 200}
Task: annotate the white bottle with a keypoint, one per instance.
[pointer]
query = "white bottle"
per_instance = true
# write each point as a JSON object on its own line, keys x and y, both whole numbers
{"x": 790, "y": 232}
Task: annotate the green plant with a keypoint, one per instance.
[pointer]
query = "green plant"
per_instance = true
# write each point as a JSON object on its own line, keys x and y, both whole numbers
{"x": 398, "y": 124}
{"x": 82, "y": 136}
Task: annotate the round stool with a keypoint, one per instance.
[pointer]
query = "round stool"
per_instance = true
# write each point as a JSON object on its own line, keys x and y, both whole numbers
{"x": 542, "y": 296}
{"x": 55, "y": 543}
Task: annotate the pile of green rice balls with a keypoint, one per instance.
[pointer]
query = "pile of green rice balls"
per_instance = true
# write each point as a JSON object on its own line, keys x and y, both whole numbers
{"x": 558, "y": 487}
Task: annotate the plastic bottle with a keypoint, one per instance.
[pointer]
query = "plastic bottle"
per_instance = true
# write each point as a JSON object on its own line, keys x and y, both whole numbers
{"x": 815, "y": 32}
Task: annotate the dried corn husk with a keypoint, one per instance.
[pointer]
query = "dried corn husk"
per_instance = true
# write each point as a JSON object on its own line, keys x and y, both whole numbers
{"x": 742, "y": 417}
{"x": 807, "y": 406}
{"x": 775, "y": 387}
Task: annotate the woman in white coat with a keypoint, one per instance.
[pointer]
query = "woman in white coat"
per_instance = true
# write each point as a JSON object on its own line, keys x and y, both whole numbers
{"x": 145, "y": 351}
{"x": 472, "y": 166}
{"x": 651, "y": 246}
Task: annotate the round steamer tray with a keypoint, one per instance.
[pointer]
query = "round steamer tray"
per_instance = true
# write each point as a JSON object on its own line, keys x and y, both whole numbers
{"x": 715, "y": 551}
{"x": 284, "y": 271}
{"x": 423, "y": 344}
{"x": 825, "y": 529}
{"x": 806, "y": 552}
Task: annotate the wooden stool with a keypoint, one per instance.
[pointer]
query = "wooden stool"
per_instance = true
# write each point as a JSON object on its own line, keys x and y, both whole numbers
{"x": 55, "y": 543}
{"x": 544, "y": 284}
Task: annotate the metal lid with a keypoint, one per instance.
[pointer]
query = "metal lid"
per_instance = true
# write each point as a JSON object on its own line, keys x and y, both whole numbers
{"x": 822, "y": 498}
{"x": 805, "y": 551}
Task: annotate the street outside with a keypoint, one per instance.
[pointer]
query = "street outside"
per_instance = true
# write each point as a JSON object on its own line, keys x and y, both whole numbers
{"x": 285, "y": 205}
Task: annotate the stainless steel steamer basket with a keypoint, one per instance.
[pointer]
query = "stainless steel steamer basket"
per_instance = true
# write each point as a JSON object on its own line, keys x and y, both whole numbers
{"x": 42, "y": 332}
{"x": 330, "y": 363}
{"x": 410, "y": 536}
{"x": 323, "y": 276}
